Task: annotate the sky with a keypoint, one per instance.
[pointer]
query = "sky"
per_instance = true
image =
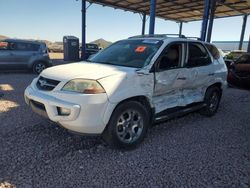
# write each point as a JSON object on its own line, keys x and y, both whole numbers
{"x": 53, "y": 19}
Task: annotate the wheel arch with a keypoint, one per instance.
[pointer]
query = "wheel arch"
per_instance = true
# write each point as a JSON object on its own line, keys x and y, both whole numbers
{"x": 144, "y": 100}
{"x": 217, "y": 85}
{"x": 38, "y": 60}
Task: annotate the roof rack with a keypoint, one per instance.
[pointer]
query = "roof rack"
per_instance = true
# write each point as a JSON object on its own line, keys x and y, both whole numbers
{"x": 194, "y": 38}
{"x": 164, "y": 36}
{"x": 158, "y": 36}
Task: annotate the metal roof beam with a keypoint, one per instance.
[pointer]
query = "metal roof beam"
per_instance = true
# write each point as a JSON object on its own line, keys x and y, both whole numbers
{"x": 184, "y": 11}
{"x": 231, "y": 7}
{"x": 171, "y": 6}
{"x": 221, "y": 12}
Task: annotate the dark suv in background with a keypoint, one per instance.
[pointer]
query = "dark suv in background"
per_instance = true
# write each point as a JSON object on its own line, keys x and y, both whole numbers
{"x": 24, "y": 54}
{"x": 90, "y": 50}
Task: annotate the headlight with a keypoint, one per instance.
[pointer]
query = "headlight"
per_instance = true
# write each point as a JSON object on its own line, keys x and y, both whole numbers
{"x": 83, "y": 86}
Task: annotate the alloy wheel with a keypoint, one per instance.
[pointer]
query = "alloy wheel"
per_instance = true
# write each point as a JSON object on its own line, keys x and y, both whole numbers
{"x": 129, "y": 126}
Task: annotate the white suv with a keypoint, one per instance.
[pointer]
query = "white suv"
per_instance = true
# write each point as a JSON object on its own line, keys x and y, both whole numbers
{"x": 126, "y": 87}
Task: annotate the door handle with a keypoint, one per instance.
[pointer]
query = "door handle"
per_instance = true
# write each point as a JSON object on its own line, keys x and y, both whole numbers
{"x": 181, "y": 78}
{"x": 211, "y": 74}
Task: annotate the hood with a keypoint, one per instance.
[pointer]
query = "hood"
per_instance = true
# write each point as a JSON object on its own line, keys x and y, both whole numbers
{"x": 84, "y": 70}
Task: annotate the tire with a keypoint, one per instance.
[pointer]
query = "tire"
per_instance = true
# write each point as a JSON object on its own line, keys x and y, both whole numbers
{"x": 38, "y": 67}
{"x": 127, "y": 126}
{"x": 212, "y": 101}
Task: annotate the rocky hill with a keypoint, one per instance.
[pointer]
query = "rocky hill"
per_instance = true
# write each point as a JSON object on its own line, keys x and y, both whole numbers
{"x": 101, "y": 43}
{"x": 2, "y": 37}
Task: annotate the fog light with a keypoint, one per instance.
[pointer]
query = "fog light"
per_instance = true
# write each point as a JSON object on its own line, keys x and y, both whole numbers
{"x": 63, "y": 111}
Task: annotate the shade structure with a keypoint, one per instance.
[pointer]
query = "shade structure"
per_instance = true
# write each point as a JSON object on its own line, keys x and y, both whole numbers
{"x": 180, "y": 10}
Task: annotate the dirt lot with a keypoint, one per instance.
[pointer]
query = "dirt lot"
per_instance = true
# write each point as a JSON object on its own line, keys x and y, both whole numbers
{"x": 56, "y": 55}
{"x": 192, "y": 151}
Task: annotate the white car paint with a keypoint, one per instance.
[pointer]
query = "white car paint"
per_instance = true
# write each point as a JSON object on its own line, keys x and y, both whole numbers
{"x": 90, "y": 113}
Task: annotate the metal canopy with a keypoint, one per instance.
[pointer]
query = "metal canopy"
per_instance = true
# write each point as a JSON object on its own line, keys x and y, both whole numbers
{"x": 180, "y": 10}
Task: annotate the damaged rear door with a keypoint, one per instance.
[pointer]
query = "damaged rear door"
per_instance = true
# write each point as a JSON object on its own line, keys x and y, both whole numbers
{"x": 170, "y": 77}
{"x": 202, "y": 71}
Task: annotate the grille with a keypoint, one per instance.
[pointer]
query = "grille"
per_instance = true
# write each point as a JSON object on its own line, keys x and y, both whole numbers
{"x": 46, "y": 84}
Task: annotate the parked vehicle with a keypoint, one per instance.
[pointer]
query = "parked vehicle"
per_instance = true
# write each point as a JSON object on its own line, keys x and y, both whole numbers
{"x": 56, "y": 47}
{"x": 239, "y": 72}
{"x": 24, "y": 54}
{"x": 234, "y": 55}
{"x": 90, "y": 50}
{"x": 126, "y": 87}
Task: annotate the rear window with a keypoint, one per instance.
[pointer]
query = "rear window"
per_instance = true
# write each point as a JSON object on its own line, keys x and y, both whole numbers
{"x": 213, "y": 50}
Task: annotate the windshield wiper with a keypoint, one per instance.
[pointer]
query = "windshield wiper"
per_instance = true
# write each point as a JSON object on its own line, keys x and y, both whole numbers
{"x": 87, "y": 60}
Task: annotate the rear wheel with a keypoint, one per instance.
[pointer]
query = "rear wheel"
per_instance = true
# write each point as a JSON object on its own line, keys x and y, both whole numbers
{"x": 128, "y": 125}
{"x": 212, "y": 101}
{"x": 38, "y": 67}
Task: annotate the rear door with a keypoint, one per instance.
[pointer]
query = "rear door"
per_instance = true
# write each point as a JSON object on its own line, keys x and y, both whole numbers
{"x": 170, "y": 77}
{"x": 201, "y": 72}
{"x": 22, "y": 53}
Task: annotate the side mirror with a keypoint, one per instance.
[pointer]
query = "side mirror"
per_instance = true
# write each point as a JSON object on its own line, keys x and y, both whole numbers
{"x": 142, "y": 72}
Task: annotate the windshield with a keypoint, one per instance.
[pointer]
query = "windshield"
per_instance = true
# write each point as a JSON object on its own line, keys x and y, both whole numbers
{"x": 129, "y": 53}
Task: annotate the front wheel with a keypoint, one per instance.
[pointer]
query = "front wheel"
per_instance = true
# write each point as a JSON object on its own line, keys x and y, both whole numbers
{"x": 128, "y": 125}
{"x": 38, "y": 67}
{"x": 212, "y": 101}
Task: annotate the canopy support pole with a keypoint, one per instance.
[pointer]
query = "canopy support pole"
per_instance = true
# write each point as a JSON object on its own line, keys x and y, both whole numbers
{"x": 243, "y": 31}
{"x": 143, "y": 23}
{"x": 152, "y": 17}
{"x": 211, "y": 20}
{"x": 180, "y": 29}
{"x": 248, "y": 49}
{"x": 83, "y": 30}
{"x": 205, "y": 20}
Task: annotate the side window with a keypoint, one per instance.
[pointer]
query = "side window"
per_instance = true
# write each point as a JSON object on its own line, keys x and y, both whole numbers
{"x": 198, "y": 55}
{"x": 171, "y": 58}
{"x": 17, "y": 46}
{"x": 33, "y": 47}
{"x": 20, "y": 46}
{"x": 4, "y": 45}
{"x": 12, "y": 46}
{"x": 213, "y": 50}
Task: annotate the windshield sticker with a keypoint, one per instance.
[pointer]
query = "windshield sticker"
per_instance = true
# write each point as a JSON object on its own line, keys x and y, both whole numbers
{"x": 140, "y": 49}
{"x": 151, "y": 41}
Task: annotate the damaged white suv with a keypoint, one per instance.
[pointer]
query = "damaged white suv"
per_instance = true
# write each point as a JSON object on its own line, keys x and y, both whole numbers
{"x": 130, "y": 85}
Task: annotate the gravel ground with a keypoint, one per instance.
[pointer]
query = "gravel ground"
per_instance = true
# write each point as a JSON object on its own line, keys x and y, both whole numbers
{"x": 192, "y": 151}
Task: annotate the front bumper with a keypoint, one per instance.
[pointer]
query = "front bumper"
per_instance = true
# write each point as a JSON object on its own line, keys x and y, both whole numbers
{"x": 86, "y": 111}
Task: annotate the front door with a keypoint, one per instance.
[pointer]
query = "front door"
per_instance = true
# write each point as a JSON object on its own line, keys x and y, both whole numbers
{"x": 170, "y": 77}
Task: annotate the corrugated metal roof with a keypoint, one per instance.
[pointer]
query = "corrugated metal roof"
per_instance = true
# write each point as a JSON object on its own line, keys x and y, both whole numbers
{"x": 180, "y": 10}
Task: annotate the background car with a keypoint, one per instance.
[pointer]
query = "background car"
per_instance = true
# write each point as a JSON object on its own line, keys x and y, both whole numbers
{"x": 91, "y": 49}
{"x": 239, "y": 72}
{"x": 24, "y": 54}
{"x": 234, "y": 55}
{"x": 56, "y": 47}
